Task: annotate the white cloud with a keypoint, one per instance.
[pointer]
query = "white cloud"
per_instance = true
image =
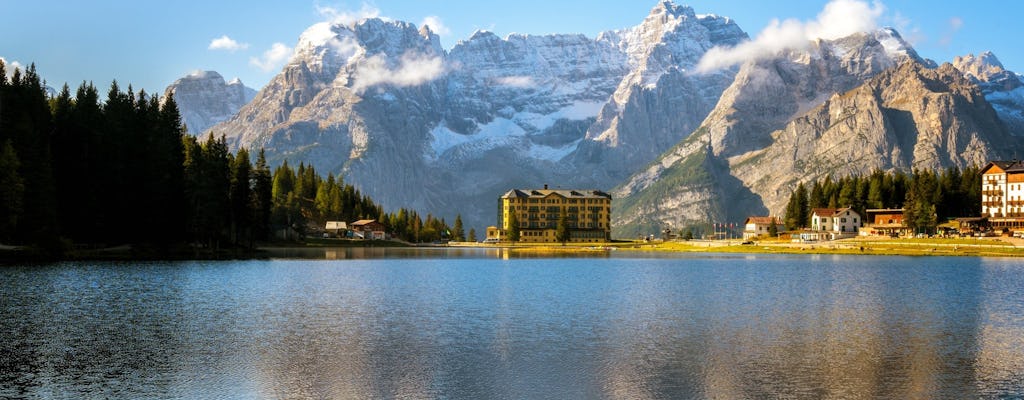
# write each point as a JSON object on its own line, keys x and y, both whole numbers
{"x": 413, "y": 69}
{"x": 273, "y": 58}
{"x": 910, "y": 32}
{"x": 436, "y": 26}
{"x": 954, "y": 25}
{"x": 516, "y": 81}
{"x": 227, "y": 43}
{"x": 10, "y": 66}
{"x": 346, "y": 17}
{"x": 839, "y": 18}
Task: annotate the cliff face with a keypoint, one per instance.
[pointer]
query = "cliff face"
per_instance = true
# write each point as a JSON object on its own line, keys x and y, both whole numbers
{"x": 205, "y": 99}
{"x": 910, "y": 117}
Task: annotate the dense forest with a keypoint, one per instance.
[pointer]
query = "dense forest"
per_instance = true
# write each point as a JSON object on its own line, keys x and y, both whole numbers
{"x": 75, "y": 170}
{"x": 927, "y": 197}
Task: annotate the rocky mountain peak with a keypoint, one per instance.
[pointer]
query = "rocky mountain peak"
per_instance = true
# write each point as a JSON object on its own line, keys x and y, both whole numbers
{"x": 1003, "y": 88}
{"x": 982, "y": 67}
{"x": 205, "y": 99}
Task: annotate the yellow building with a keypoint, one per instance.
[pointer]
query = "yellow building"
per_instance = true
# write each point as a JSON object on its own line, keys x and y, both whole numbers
{"x": 587, "y": 212}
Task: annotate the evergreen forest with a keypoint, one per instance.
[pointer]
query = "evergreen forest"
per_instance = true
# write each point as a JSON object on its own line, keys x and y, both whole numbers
{"x": 78, "y": 171}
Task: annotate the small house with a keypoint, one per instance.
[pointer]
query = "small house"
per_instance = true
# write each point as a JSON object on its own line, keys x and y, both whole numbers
{"x": 368, "y": 229}
{"x": 885, "y": 222}
{"x": 336, "y": 227}
{"x": 761, "y": 226}
{"x": 835, "y": 223}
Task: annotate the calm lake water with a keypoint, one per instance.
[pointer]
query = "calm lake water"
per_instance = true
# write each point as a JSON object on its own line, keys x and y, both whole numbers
{"x": 476, "y": 324}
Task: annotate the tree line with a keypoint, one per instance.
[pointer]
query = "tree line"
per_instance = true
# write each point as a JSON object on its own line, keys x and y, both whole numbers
{"x": 926, "y": 196}
{"x": 77, "y": 169}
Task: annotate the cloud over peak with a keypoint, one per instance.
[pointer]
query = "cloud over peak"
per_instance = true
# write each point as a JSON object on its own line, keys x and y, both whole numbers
{"x": 839, "y": 18}
{"x": 227, "y": 43}
{"x": 413, "y": 69}
{"x": 346, "y": 17}
{"x": 273, "y": 58}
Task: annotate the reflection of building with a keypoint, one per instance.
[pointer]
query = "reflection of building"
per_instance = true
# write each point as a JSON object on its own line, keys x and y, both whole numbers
{"x": 538, "y": 211}
{"x": 835, "y": 223}
{"x": 885, "y": 222}
{"x": 761, "y": 226}
{"x": 1002, "y": 194}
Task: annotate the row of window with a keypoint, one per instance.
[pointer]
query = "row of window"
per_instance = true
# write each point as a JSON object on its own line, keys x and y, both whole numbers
{"x": 542, "y": 225}
{"x": 556, "y": 209}
{"x": 561, "y": 201}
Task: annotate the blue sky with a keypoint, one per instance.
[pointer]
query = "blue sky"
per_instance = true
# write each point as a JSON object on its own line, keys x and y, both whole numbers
{"x": 149, "y": 44}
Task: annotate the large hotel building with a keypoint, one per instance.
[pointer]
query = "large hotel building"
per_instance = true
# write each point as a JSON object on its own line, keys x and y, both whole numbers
{"x": 1002, "y": 194}
{"x": 588, "y": 213}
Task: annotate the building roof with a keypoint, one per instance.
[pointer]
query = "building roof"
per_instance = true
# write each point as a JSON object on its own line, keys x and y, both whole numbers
{"x": 363, "y": 222}
{"x": 831, "y": 212}
{"x": 336, "y": 225}
{"x": 884, "y": 210}
{"x": 763, "y": 220}
{"x": 1014, "y": 166}
{"x": 565, "y": 193}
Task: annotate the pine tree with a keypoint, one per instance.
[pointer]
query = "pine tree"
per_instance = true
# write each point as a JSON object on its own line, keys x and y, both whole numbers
{"x": 241, "y": 198}
{"x": 562, "y": 233}
{"x": 513, "y": 227}
{"x": 458, "y": 233}
{"x": 472, "y": 235}
{"x": 12, "y": 190}
{"x": 262, "y": 197}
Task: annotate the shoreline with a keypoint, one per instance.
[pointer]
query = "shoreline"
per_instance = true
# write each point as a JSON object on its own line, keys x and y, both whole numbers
{"x": 964, "y": 247}
{"x": 955, "y": 247}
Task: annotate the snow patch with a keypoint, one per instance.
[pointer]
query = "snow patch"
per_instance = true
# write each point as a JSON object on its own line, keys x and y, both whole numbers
{"x": 549, "y": 153}
{"x": 498, "y": 131}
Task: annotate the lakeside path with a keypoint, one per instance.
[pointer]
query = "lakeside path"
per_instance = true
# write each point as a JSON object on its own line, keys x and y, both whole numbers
{"x": 986, "y": 247}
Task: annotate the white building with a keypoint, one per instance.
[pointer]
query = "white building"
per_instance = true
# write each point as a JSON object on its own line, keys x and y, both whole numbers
{"x": 837, "y": 222}
{"x": 1002, "y": 194}
{"x": 761, "y": 226}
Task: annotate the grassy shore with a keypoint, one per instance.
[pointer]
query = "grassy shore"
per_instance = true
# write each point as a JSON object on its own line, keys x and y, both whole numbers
{"x": 988, "y": 247}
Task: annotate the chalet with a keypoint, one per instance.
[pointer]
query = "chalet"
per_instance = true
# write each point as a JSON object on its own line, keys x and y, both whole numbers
{"x": 1002, "y": 194}
{"x": 368, "y": 229}
{"x": 835, "y": 223}
{"x": 885, "y": 222}
{"x": 761, "y": 226}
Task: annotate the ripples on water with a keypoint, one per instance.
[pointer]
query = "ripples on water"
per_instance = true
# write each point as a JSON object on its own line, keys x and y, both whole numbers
{"x": 473, "y": 324}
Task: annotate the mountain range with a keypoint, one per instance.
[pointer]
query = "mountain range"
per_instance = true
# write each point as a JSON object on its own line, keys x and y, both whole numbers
{"x": 411, "y": 124}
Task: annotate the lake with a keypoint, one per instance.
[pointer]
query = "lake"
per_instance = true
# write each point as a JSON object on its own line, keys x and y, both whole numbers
{"x": 484, "y": 324}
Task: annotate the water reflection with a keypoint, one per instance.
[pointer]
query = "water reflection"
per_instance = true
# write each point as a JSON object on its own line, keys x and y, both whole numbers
{"x": 475, "y": 325}
{"x": 371, "y": 253}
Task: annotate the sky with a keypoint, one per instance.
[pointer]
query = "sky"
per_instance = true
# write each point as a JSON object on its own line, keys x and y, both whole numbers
{"x": 149, "y": 44}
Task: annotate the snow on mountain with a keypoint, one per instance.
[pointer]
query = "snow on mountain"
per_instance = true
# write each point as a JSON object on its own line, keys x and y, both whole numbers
{"x": 381, "y": 103}
{"x": 763, "y": 98}
{"x": 205, "y": 99}
{"x": 1003, "y": 88}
